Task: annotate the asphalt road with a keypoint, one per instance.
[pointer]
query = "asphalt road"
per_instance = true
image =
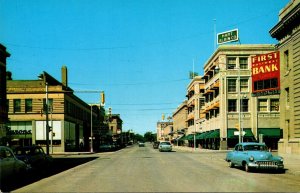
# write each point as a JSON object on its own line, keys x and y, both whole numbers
{"x": 144, "y": 169}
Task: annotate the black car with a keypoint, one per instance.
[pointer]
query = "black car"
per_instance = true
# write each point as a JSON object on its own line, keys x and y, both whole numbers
{"x": 155, "y": 144}
{"x": 34, "y": 157}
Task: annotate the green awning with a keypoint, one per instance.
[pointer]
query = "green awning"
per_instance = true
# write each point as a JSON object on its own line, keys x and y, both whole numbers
{"x": 200, "y": 135}
{"x": 230, "y": 133}
{"x": 248, "y": 133}
{"x": 190, "y": 137}
{"x": 207, "y": 133}
{"x": 183, "y": 138}
{"x": 214, "y": 134}
{"x": 270, "y": 132}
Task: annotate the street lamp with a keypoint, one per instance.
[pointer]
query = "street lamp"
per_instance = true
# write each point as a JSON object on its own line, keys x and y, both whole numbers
{"x": 92, "y": 129}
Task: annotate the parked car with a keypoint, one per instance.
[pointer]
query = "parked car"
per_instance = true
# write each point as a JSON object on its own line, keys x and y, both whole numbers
{"x": 10, "y": 166}
{"x": 34, "y": 157}
{"x": 165, "y": 146}
{"x": 105, "y": 147}
{"x": 253, "y": 155}
{"x": 155, "y": 144}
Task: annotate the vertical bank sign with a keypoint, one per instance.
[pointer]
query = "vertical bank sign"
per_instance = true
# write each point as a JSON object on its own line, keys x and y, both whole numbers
{"x": 266, "y": 74}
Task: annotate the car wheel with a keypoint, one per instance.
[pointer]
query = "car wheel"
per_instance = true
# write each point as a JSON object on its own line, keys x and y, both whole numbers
{"x": 247, "y": 169}
{"x": 230, "y": 164}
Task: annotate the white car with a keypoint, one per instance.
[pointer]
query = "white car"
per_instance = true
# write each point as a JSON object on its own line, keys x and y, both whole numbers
{"x": 165, "y": 146}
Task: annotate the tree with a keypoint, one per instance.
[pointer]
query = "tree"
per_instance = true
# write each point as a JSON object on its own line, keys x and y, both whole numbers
{"x": 149, "y": 136}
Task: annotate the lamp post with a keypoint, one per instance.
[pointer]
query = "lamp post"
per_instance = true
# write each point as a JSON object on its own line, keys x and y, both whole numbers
{"x": 92, "y": 129}
{"x": 47, "y": 120}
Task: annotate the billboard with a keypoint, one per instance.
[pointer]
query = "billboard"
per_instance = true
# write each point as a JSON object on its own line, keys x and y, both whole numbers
{"x": 228, "y": 36}
{"x": 265, "y": 74}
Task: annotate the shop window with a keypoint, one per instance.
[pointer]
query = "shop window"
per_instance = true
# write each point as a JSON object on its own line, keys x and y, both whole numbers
{"x": 17, "y": 105}
{"x": 262, "y": 105}
{"x": 232, "y": 105}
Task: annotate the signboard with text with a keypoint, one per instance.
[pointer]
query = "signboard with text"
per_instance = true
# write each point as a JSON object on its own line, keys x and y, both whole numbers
{"x": 265, "y": 74}
{"x": 228, "y": 36}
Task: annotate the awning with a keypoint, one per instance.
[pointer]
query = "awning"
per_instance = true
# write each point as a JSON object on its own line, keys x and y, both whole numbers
{"x": 213, "y": 134}
{"x": 190, "y": 137}
{"x": 230, "y": 133}
{"x": 270, "y": 132}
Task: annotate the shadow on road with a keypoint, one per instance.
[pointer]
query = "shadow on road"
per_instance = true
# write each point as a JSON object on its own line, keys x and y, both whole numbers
{"x": 59, "y": 165}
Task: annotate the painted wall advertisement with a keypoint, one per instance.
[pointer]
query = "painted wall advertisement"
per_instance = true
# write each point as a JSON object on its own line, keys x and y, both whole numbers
{"x": 266, "y": 74}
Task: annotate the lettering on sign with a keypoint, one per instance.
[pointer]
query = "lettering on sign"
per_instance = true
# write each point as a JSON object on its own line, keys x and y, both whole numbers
{"x": 265, "y": 74}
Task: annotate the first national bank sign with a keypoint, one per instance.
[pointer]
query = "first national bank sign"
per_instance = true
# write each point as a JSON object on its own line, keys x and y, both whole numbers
{"x": 266, "y": 74}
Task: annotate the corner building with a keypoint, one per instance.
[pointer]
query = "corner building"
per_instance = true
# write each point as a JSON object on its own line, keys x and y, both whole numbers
{"x": 230, "y": 108}
{"x": 287, "y": 32}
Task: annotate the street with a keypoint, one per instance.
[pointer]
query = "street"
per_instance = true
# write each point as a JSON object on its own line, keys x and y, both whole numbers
{"x": 144, "y": 169}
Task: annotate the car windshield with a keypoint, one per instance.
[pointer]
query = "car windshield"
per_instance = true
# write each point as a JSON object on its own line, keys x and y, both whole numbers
{"x": 165, "y": 143}
{"x": 255, "y": 148}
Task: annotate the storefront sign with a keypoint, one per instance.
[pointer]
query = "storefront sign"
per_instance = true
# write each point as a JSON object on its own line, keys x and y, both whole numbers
{"x": 266, "y": 74}
{"x": 18, "y": 132}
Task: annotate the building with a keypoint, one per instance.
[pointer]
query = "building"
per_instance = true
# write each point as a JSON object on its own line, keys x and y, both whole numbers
{"x": 115, "y": 128}
{"x": 287, "y": 32}
{"x": 232, "y": 114}
{"x": 179, "y": 122}
{"x": 3, "y": 102}
{"x": 195, "y": 105}
{"x": 164, "y": 130}
{"x": 68, "y": 116}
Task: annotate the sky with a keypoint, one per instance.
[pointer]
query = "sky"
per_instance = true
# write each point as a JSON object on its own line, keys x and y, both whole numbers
{"x": 139, "y": 52}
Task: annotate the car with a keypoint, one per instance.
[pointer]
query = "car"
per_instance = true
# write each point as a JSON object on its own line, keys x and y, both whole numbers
{"x": 253, "y": 155}
{"x": 165, "y": 146}
{"x": 105, "y": 147}
{"x": 141, "y": 144}
{"x": 155, "y": 144}
{"x": 10, "y": 165}
{"x": 34, "y": 156}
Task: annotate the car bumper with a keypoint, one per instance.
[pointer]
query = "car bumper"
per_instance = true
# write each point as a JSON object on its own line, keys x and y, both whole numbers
{"x": 165, "y": 149}
{"x": 266, "y": 165}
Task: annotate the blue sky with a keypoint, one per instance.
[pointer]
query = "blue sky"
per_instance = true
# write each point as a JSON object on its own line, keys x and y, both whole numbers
{"x": 139, "y": 52}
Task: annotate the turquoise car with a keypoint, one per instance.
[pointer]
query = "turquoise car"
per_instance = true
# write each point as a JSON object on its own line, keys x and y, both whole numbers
{"x": 251, "y": 155}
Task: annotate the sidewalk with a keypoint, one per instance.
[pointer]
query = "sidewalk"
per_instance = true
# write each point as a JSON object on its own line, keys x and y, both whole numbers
{"x": 291, "y": 161}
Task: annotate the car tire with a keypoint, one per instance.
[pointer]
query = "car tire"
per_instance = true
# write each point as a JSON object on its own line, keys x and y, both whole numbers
{"x": 230, "y": 164}
{"x": 247, "y": 169}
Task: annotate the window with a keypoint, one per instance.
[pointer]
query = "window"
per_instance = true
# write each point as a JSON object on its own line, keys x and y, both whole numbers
{"x": 231, "y": 105}
{"x": 231, "y": 85}
{"x": 50, "y": 104}
{"x": 17, "y": 105}
{"x": 231, "y": 63}
{"x": 274, "y": 104}
{"x": 244, "y": 85}
{"x": 243, "y": 63}
{"x": 287, "y": 93}
{"x": 244, "y": 105}
{"x": 263, "y": 105}
{"x": 28, "y": 105}
{"x": 286, "y": 59}
{"x": 266, "y": 84}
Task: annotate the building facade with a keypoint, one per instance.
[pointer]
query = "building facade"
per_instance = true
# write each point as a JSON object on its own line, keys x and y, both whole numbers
{"x": 68, "y": 116}
{"x": 164, "y": 130}
{"x": 287, "y": 32}
{"x": 179, "y": 122}
{"x": 3, "y": 101}
{"x": 232, "y": 114}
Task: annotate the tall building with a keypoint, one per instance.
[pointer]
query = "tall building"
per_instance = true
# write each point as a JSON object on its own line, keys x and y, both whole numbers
{"x": 287, "y": 32}
{"x": 3, "y": 102}
{"x": 230, "y": 109}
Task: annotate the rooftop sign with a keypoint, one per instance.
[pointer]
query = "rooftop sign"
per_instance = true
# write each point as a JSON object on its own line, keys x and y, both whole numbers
{"x": 228, "y": 36}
